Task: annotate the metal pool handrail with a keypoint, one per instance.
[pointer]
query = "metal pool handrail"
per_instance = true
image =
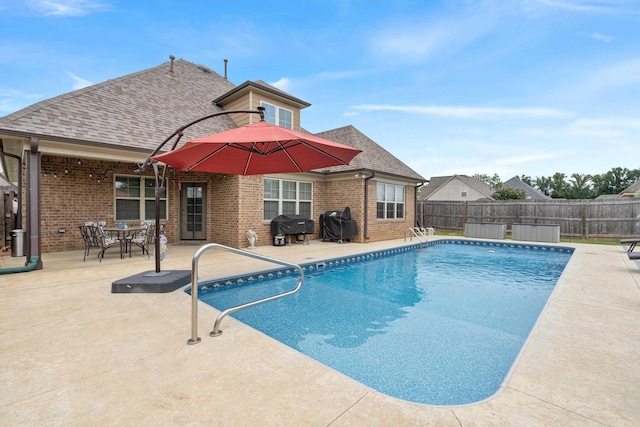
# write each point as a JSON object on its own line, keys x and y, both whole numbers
{"x": 419, "y": 234}
{"x": 194, "y": 289}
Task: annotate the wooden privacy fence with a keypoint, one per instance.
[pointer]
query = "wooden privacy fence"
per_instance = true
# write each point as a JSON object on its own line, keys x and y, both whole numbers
{"x": 576, "y": 218}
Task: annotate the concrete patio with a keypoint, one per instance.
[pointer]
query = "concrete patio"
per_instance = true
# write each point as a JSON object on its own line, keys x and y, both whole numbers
{"x": 73, "y": 353}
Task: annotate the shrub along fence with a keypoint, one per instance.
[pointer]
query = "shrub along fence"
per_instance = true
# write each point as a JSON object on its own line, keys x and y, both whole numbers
{"x": 576, "y": 218}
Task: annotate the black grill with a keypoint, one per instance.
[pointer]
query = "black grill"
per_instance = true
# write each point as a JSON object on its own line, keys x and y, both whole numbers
{"x": 291, "y": 224}
{"x": 338, "y": 225}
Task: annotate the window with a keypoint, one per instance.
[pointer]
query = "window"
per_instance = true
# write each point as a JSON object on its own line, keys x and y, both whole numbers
{"x": 390, "y": 201}
{"x": 283, "y": 197}
{"x": 463, "y": 191}
{"x": 135, "y": 199}
{"x": 277, "y": 115}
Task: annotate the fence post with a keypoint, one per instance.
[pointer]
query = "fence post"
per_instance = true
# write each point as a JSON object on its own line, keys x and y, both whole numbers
{"x": 584, "y": 221}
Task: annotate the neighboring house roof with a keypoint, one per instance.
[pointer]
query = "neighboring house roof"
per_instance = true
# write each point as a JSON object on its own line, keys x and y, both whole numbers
{"x": 437, "y": 182}
{"x": 632, "y": 190}
{"x": 373, "y": 156}
{"x": 532, "y": 193}
{"x": 139, "y": 110}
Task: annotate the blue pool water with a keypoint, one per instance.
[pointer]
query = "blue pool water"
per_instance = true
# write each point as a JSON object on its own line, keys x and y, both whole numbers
{"x": 440, "y": 325}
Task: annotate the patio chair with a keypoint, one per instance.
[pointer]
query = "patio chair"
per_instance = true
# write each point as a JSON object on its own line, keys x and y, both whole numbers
{"x": 89, "y": 240}
{"x": 96, "y": 238}
{"x": 147, "y": 239}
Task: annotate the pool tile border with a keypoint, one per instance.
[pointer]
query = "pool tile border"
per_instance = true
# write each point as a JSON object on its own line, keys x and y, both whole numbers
{"x": 336, "y": 262}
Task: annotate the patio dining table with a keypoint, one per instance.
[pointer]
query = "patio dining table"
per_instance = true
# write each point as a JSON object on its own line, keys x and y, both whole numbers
{"x": 125, "y": 236}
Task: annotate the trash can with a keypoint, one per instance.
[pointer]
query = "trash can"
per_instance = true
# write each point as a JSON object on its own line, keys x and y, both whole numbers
{"x": 17, "y": 242}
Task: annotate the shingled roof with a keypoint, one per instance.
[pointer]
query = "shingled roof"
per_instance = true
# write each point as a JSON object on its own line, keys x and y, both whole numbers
{"x": 632, "y": 190}
{"x": 532, "y": 193}
{"x": 373, "y": 156}
{"x": 138, "y": 110}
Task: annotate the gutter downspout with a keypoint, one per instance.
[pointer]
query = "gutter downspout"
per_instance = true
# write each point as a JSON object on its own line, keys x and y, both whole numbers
{"x": 415, "y": 205}
{"x": 34, "y": 208}
{"x": 366, "y": 205}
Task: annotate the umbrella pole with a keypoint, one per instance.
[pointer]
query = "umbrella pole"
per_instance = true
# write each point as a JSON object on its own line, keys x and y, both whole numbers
{"x": 157, "y": 215}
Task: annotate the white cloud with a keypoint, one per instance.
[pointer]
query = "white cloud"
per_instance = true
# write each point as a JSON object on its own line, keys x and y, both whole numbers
{"x": 623, "y": 73}
{"x": 79, "y": 82}
{"x": 66, "y": 7}
{"x": 601, "y": 37}
{"x": 421, "y": 37}
{"x": 592, "y": 6}
{"x": 617, "y": 123}
{"x": 12, "y": 100}
{"x": 283, "y": 84}
{"x": 468, "y": 112}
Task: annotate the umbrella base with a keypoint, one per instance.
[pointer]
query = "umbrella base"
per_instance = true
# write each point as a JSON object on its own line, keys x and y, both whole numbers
{"x": 152, "y": 282}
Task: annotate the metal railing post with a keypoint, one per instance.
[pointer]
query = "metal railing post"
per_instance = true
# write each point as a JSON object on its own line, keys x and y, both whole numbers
{"x": 194, "y": 288}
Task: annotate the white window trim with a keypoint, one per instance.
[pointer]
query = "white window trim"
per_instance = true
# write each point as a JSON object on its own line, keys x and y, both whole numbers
{"x": 278, "y": 108}
{"x": 281, "y": 199}
{"x": 395, "y": 203}
{"x": 141, "y": 199}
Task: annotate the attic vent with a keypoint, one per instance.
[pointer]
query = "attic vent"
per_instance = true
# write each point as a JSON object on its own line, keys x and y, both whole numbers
{"x": 205, "y": 69}
{"x": 172, "y": 58}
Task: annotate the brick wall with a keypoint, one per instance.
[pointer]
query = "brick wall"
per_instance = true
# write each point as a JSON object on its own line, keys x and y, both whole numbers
{"x": 73, "y": 191}
{"x": 390, "y": 229}
{"x": 77, "y": 190}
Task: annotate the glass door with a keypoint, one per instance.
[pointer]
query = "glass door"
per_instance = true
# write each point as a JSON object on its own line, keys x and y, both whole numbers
{"x": 193, "y": 202}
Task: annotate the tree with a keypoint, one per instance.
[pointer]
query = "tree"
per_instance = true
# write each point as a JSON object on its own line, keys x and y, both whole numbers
{"x": 492, "y": 181}
{"x": 614, "y": 181}
{"x": 526, "y": 179}
{"x": 559, "y": 186}
{"x": 506, "y": 192}
{"x": 543, "y": 183}
{"x": 580, "y": 187}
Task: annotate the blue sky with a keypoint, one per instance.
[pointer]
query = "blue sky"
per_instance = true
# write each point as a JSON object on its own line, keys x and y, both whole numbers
{"x": 513, "y": 87}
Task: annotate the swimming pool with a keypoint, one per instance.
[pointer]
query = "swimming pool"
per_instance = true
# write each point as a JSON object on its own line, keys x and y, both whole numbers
{"x": 440, "y": 325}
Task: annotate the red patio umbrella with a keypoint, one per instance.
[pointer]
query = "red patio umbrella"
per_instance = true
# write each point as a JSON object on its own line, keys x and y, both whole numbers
{"x": 260, "y": 148}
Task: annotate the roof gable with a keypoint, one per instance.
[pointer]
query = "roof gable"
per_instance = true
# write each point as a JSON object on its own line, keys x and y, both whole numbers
{"x": 437, "y": 183}
{"x": 373, "y": 156}
{"x": 248, "y": 86}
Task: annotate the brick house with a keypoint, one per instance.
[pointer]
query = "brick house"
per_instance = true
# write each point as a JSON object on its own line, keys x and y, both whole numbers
{"x": 81, "y": 149}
